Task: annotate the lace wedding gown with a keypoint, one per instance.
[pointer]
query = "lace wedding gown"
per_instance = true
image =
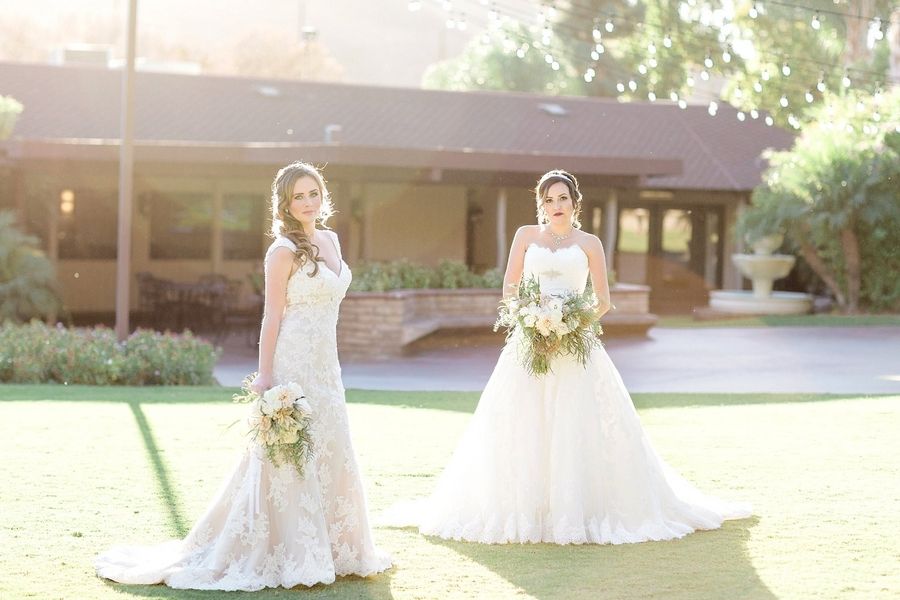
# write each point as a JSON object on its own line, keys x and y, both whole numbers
{"x": 267, "y": 526}
{"x": 560, "y": 458}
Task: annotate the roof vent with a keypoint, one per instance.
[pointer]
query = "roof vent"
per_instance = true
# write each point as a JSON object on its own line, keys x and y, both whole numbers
{"x": 269, "y": 91}
{"x": 552, "y": 108}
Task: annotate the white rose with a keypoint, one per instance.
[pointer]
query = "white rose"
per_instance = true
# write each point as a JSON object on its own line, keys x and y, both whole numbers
{"x": 302, "y": 404}
{"x": 530, "y": 320}
{"x": 270, "y": 401}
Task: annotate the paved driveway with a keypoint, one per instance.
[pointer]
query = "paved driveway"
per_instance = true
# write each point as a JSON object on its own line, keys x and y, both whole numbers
{"x": 747, "y": 359}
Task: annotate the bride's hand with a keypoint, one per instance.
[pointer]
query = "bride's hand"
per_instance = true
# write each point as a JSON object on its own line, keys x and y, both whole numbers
{"x": 261, "y": 383}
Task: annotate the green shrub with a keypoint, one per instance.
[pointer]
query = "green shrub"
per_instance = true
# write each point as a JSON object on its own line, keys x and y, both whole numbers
{"x": 36, "y": 353}
{"x": 28, "y": 286}
{"x": 404, "y": 274}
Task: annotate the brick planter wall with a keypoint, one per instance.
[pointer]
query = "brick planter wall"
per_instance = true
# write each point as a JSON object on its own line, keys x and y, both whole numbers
{"x": 377, "y": 325}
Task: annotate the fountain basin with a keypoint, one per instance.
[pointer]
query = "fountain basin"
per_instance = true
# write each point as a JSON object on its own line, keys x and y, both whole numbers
{"x": 741, "y": 302}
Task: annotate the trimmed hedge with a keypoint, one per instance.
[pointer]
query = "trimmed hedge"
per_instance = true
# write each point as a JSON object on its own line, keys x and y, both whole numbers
{"x": 404, "y": 274}
{"x": 37, "y": 353}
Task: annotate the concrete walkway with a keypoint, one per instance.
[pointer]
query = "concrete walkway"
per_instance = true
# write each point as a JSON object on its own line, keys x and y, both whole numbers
{"x": 863, "y": 360}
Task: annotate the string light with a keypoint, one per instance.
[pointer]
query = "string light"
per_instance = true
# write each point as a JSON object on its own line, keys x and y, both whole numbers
{"x": 765, "y": 74}
{"x": 651, "y": 96}
{"x": 741, "y": 116}
{"x": 769, "y": 120}
{"x": 667, "y": 41}
{"x": 632, "y": 85}
{"x": 609, "y": 25}
{"x": 815, "y": 23}
{"x": 821, "y": 85}
{"x": 596, "y": 33}
{"x": 682, "y": 104}
{"x": 713, "y": 108}
{"x": 708, "y": 62}
{"x": 674, "y": 96}
{"x": 726, "y": 54}
{"x": 846, "y": 79}
{"x": 690, "y": 81}
{"x": 754, "y": 12}
{"x": 757, "y": 87}
{"x": 642, "y": 69}
{"x": 620, "y": 87}
{"x": 809, "y": 96}
{"x": 784, "y": 101}
{"x": 754, "y": 114}
{"x": 704, "y": 75}
{"x": 786, "y": 69}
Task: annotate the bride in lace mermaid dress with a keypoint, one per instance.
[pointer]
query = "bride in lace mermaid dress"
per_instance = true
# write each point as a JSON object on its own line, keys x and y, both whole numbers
{"x": 562, "y": 457}
{"x": 267, "y": 526}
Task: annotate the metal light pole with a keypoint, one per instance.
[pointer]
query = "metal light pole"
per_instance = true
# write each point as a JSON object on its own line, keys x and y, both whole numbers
{"x": 126, "y": 178}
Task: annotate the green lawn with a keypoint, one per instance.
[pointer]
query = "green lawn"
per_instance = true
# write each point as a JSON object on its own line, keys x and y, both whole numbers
{"x": 822, "y": 320}
{"x": 83, "y": 468}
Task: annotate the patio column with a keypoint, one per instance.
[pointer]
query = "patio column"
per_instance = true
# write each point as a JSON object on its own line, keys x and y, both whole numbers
{"x": 610, "y": 227}
{"x": 502, "y": 244}
{"x": 217, "y": 239}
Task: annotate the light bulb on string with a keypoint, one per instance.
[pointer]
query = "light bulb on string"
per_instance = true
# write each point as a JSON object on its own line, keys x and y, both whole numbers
{"x": 754, "y": 12}
{"x": 708, "y": 62}
{"x": 876, "y": 116}
{"x": 632, "y": 85}
{"x": 673, "y": 95}
{"x": 620, "y": 87}
{"x": 769, "y": 120}
{"x": 860, "y": 106}
{"x": 682, "y": 104}
{"x": 595, "y": 55}
{"x": 546, "y": 34}
{"x": 757, "y": 87}
{"x": 667, "y": 41}
{"x": 738, "y": 93}
{"x": 816, "y": 23}
{"x": 609, "y": 25}
{"x": 726, "y": 54}
{"x": 754, "y": 114}
{"x": 651, "y": 96}
{"x": 846, "y": 79}
{"x": 809, "y": 96}
{"x": 821, "y": 84}
{"x": 784, "y": 101}
{"x": 548, "y": 58}
{"x": 713, "y": 108}
{"x": 785, "y": 69}
{"x": 793, "y": 122}
{"x": 652, "y": 63}
{"x": 765, "y": 74}
{"x": 878, "y": 26}
{"x": 596, "y": 33}
{"x": 704, "y": 75}
{"x": 741, "y": 116}
{"x": 642, "y": 69}
{"x": 651, "y": 48}
{"x": 554, "y": 65}
{"x": 461, "y": 22}
{"x": 690, "y": 81}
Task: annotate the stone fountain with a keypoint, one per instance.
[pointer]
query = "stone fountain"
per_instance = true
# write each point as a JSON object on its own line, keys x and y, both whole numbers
{"x": 762, "y": 268}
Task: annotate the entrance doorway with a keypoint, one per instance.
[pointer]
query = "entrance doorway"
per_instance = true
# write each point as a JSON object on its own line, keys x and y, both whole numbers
{"x": 675, "y": 249}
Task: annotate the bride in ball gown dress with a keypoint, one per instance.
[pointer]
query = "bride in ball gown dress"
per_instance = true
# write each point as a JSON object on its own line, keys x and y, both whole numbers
{"x": 559, "y": 458}
{"x": 267, "y": 526}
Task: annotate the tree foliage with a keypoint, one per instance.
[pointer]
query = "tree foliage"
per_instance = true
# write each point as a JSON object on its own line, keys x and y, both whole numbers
{"x": 28, "y": 285}
{"x": 836, "y": 194}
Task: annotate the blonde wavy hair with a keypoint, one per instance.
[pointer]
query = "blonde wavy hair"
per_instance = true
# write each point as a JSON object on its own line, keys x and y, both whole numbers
{"x": 543, "y": 185}
{"x": 285, "y": 224}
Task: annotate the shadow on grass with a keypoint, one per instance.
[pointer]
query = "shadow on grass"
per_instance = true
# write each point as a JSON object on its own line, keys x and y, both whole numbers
{"x": 377, "y": 587}
{"x": 163, "y": 483}
{"x": 706, "y": 564}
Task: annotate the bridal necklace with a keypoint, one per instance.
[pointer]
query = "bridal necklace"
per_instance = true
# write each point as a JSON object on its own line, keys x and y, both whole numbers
{"x": 558, "y": 239}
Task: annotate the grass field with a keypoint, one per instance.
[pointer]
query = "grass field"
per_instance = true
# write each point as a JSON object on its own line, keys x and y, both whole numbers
{"x": 83, "y": 468}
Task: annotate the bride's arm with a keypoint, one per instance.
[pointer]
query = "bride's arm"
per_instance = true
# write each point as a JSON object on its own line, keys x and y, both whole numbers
{"x": 599, "y": 279}
{"x": 278, "y": 269}
{"x": 516, "y": 262}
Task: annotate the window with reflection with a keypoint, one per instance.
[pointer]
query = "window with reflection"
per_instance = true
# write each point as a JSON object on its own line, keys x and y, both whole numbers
{"x": 87, "y": 225}
{"x": 180, "y": 225}
{"x": 243, "y": 226}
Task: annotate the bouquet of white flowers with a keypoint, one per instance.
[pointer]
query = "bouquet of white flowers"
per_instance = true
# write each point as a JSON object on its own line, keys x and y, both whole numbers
{"x": 550, "y": 325}
{"x": 279, "y": 421}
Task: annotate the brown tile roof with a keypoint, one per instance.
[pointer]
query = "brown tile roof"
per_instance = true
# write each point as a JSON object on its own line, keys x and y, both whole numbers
{"x": 687, "y": 148}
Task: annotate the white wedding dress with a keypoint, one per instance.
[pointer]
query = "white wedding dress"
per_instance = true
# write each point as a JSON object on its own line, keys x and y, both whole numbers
{"x": 559, "y": 458}
{"x": 268, "y": 527}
